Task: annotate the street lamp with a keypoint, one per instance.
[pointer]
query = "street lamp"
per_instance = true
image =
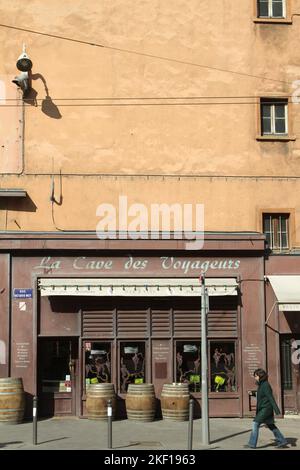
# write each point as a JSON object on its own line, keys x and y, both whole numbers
{"x": 204, "y": 362}
{"x": 23, "y": 80}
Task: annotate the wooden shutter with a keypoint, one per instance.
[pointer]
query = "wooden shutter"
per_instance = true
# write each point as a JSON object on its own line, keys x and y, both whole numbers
{"x": 132, "y": 323}
{"x": 186, "y": 323}
{"x": 98, "y": 324}
{"x": 161, "y": 323}
{"x": 219, "y": 324}
{"x": 222, "y": 324}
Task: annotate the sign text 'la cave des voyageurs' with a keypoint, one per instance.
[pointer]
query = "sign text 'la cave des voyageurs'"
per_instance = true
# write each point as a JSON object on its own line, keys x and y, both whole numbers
{"x": 128, "y": 264}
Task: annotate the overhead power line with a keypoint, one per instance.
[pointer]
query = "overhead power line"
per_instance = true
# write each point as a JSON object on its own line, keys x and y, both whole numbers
{"x": 144, "y": 54}
{"x": 153, "y": 98}
{"x": 116, "y": 105}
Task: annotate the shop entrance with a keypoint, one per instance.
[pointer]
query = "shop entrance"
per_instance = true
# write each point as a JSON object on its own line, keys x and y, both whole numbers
{"x": 57, "y": 376}
{"x": 290, "y": 372}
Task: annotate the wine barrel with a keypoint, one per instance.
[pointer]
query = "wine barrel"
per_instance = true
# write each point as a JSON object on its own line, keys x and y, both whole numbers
{"x": 12, "y": 400}
{"x": 97, "y": 396}
{"x": 140, "y": 402}
{"x": 175, "y": 401}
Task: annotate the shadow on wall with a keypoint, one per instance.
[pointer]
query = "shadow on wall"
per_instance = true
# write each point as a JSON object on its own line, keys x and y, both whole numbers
{"x": 25, "y": 204}
{"x": 293, "y": 321}
{"x": 48, "y": 106}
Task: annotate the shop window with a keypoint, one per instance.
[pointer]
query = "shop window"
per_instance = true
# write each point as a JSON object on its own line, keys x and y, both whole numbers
{"x": 188, "y": 364}
{"x": 132, "y": 364}
{"x": 222, "y": 366}
{"x": 276, "y": 229}
{"x": 97, "y": 362}
{"x": 54, "y": 365}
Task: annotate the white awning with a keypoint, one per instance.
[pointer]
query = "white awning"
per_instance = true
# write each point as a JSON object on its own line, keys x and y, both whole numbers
{"x": 287, "y": 291}
{"x": 138, "y": 287}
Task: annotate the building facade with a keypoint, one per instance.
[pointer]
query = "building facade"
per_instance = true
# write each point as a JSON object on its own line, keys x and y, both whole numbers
{"x": 163, "y": 104}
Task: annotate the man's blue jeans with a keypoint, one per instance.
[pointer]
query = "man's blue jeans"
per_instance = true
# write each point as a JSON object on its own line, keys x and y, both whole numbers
{"x": 255, "y": 431}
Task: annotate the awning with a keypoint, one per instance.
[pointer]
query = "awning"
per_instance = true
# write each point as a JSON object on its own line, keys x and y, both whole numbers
{"x": 287, "y": 291}
{"x": 138, "y": 287}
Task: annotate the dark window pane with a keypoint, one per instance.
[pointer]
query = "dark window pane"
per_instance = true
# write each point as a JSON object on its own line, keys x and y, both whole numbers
{"x": 283, "y": 223}
{"x": 280, "y": 110}
{"x": 266, "y": 126}
{"x": 132, "y": 364}
{"x": 267, "y": 224}
{"x": 266, "y": 110}
{"x": 269, "y": 239}
{"x": 54, "y": 360}
{"x": 284, "y": 240}
{"x": 188, "y": 364}
{"x": 222, "y": 367}
{"x": 286, "y": 365}
{"x": 97, "y": 363}
{"x": 277, "y": 9}
{"x": 280, "y": 127}
{"x": 263, "y": 8}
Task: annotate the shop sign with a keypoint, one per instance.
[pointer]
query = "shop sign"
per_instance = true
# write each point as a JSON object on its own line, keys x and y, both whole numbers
{"x": 128, "y": 264}
{"x": 22, "y": 293}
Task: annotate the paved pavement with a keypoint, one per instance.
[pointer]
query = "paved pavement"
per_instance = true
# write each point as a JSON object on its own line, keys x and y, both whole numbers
{"x": 82, "y": 434}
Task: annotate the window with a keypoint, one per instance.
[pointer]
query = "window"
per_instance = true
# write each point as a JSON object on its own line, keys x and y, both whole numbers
{"x": 54, "y": 358}
{"x": 222, "y": 366}
{"x": 97, "y": 363}
{"x": 188, "y": 364}
{"x": 276, "y": 229}
{"x": 286, "y": 364}
{"x": 274, "y": 117}
{"x": 271, "y": 8}
{"x": 132, "y": 364}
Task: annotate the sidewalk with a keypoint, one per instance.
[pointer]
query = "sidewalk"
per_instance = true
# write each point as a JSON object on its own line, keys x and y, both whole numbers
{"x": 74, "y": 433}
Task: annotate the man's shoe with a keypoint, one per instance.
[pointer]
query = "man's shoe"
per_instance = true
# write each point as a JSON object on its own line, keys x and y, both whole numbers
{"x": 246, "y": 446}
{"x": 282, "y": 445}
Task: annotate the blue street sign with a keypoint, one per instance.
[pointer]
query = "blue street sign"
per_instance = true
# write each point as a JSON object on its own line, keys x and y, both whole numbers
{"x": 22, "y": 293}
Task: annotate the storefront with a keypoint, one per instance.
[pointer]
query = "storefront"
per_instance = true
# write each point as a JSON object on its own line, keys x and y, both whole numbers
{"x": 86, "y": 311}
{"x": 283, "y": 328}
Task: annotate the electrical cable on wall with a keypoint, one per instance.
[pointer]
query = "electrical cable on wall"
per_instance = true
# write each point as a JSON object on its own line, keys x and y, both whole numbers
{"x": 152, "y": 56}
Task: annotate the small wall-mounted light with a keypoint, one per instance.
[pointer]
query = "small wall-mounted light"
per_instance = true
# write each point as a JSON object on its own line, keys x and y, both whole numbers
{"x": 23, "y": 80}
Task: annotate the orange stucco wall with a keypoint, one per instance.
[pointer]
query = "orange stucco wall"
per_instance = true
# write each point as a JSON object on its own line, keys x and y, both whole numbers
{"x": 96, "y": 126}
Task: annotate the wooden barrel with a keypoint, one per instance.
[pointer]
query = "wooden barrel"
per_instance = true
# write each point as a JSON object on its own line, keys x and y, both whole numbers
{"x": 97, "y": 396}
{"x": 175, "y": 401}
{"x": 12, "y": 400}
{"x": 140, "y": 402}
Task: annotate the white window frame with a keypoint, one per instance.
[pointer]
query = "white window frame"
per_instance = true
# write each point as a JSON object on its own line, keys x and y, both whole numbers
{"x": 270, "y": 8}
{"x": 276, "y": 235}
{"x": 273, "y": 128}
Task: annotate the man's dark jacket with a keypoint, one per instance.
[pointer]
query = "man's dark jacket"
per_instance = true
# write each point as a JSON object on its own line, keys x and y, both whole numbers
{"x": 266, "y": 404}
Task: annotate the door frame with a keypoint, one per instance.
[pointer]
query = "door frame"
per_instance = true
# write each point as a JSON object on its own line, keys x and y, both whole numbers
{"x": 292, "y": 395}
{"x": 75, "y": 374}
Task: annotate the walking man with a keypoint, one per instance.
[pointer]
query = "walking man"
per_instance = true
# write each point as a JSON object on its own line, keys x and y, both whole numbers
{"x": 265, "y": 408}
